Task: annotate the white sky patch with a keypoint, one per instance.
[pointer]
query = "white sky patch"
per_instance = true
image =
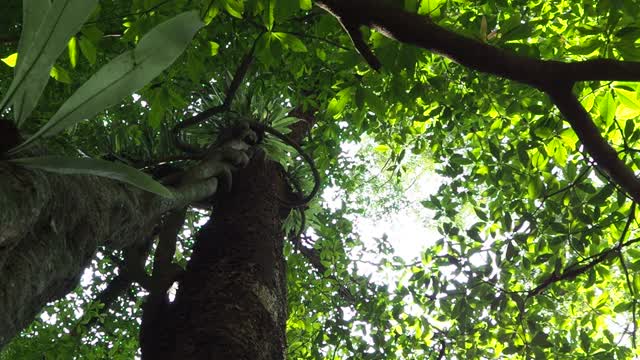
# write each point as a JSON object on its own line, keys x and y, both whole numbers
{"x": 408, "y": 230}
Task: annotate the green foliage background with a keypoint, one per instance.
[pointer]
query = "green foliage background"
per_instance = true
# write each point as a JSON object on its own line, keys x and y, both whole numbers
{"x": 518, "y": 190}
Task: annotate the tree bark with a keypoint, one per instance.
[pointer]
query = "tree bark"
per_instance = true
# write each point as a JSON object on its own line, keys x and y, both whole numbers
{"x": 52, "y": 225}
{"x": 232, "y": 303}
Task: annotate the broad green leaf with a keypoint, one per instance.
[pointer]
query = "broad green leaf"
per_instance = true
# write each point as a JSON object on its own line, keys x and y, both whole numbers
{"x": 629, "y": 106}
{"x": 586, "y": 47}
{"x": 382, "y": 148}
{"x": 268, "y": 16}
{"x": 234, "y": 7}
{"x": 588, "y": 100}
{"x": 430, "y": 7}
{"x": 33, "y": 15}
{"x": 305, "y": 4}
{"x": 212, "y": 12}
{"x": 607, "y": 109}
{"x": 535, "y": 188}
{"x": 93, "y": 33}
{"x": 60, "y": 74}
{"x": 125, "y": 74}
{"x": 88, "y": 49}
{"x": 290, "y": 41}
{"x": 602, "y": 195}
{"x": 11, "y": 60}
{"x": 62, "y": 20}
{"x": 340, "y": 101}
{"x": 97, "y": 167}
{"x": 285, "y": 9}
{"x": 72, "y": 47}
{"x": 628, "y": 98}
{"x": 282, "y": 124}
{"x": 214, "y": 46}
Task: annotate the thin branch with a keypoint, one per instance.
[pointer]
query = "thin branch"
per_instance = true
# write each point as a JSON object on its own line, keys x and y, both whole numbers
{"x": 623, "y": 263}
{"x": 574, "y": 270}
{"x": 633, "y": 300}
{"x": 238, "y": 77}
{"x": 165, "y": 272}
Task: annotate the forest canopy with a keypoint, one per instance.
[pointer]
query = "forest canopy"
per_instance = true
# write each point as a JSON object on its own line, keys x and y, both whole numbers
{"x": 505, "y": 128}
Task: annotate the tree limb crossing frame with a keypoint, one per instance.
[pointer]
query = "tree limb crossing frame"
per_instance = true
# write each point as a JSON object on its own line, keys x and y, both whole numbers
{"x": 555, "y": 78}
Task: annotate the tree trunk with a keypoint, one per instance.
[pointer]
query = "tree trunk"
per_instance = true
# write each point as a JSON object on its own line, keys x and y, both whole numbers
{"x": 51, "y": 226}
{"x": 232, "y": 303}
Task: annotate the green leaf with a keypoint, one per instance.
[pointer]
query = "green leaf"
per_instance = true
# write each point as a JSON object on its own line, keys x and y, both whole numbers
{"x": 60, "y": 74}
{"x": 125, "y": 74}
{"x": 430, "y": 7}
{"x": 535, "y": 188}
{"x": 305, "y": 4}
{"x": 213, "y": 47}
{"x": 284, "y": 9}
{"x": 97, "y": 167}
{"x": 629, "y": 107}
{"x": 381, "y": 148}
{"x": 587, "y": 47}
{"x": 268, "y": 17}
{"x": 72, "y": 47}
{"x": 340, "y": 101}
{"x": 602, "y": 195}
{"x": 283, "y": 124}
{"x": 38, "y": 52}
{"x": 88, "y": 49}
{"x": 33, "y": 15}
{"x": 290, "y": 41}
{"x": 212, "y": 12}
{"x": 235, "y": 8}
{"x": 541, "y": 339}
{"x": 607, "y": 108}
{"x": 629, "y": 98}
{"x": 11, "y": 60}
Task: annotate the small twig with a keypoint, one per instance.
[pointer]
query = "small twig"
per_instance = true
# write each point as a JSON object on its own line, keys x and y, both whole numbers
{"x": 352, "y": 26}
{"x": 623, "y": 263}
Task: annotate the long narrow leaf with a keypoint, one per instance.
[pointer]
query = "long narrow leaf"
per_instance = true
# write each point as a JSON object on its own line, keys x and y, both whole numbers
{"x": 33, "y": 14}
{"x": 125, "y": 74}
{"x": 96, "y": 167}
{"x": 63, "y": 19}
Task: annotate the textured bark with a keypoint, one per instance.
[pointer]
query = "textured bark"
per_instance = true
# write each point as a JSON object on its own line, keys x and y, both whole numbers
{"x": 51, "y": 226}
{"x": 232, "y": 301}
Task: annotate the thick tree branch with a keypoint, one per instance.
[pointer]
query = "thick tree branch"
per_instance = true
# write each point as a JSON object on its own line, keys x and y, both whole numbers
{"x": 605, "y": 156}
{"x": 552, "y": 77}
{"x": 42, "y": 210}
{"x": 419, "y": 30}
{"x": 165, "y": 272}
